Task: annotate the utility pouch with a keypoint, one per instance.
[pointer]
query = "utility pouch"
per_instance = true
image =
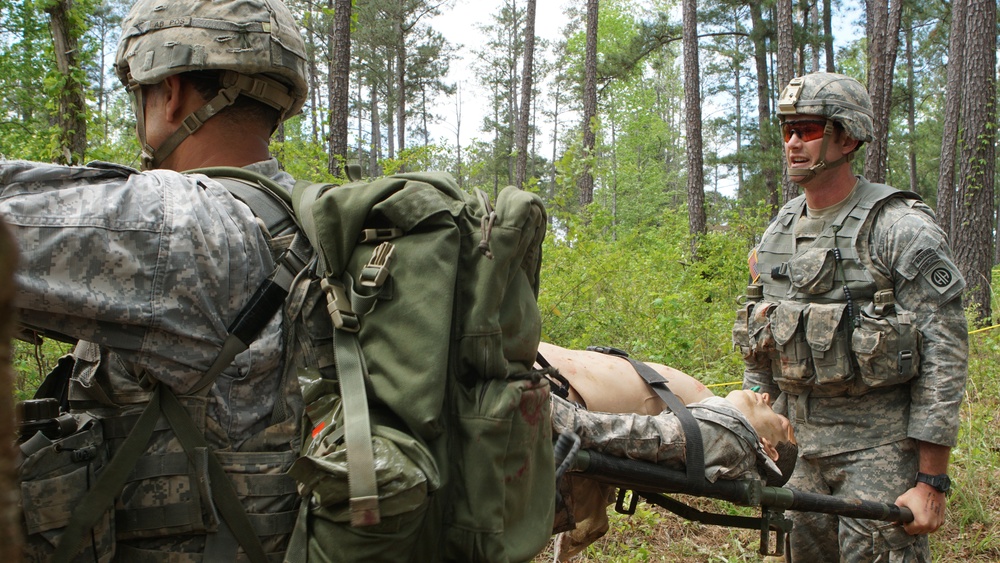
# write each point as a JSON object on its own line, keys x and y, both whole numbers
{"x": 812, "y": 271}
{"x": 830, "y": 348}
{"x": 788, "y": 327}
{"x": 504, "y": 434}
{"x": 887, "y": 346}
{"x": 54, "y": 474}
{"x": 404, "y": 468}
{"x": 761, "y": 334}
{"x": 405, "y": 473}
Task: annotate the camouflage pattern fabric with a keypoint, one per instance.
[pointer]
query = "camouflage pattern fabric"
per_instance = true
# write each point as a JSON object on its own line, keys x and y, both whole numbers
{"x": 909, "y": 250}
{"x": 874, "y": 474}
{"x": 732, "y": 449}
{"x": 153, "y": 265}
{"x": 148, "y": 270}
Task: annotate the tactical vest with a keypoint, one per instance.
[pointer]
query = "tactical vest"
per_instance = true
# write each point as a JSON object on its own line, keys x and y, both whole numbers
{"x": 167, "y": 510}
{"x": 188, "y": 493}
{"x": 170, "y": 508}
{"x": 827, "y": 317}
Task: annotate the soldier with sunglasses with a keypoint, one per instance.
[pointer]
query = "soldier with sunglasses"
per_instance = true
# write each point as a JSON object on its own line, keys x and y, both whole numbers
{"x": 854, "y": 322}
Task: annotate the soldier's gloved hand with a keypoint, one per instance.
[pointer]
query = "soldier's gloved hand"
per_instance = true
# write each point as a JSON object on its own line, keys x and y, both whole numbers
{"x": 927, "y": 505}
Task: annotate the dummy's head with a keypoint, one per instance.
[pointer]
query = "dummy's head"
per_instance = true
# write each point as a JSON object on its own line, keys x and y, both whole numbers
{"x": 774, "y": 430}
{"x": 233, "y": 49}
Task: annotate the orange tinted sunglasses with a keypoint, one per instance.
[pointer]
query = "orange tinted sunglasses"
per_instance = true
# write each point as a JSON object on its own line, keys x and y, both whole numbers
{"x": 807, "y": 130}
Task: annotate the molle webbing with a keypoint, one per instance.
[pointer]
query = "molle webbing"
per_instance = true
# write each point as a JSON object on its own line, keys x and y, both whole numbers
{"x": 777, "y": 248}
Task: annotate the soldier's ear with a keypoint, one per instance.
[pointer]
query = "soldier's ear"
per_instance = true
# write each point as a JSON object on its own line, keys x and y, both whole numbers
{"x": 769, "y": 449}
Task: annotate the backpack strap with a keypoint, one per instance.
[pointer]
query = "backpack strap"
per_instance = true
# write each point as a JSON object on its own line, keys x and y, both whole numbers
{"x": 694, "y": 451}
{"x": 352, "y": 371}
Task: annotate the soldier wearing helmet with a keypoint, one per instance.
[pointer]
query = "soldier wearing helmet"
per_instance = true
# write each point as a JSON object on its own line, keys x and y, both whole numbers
{"x": 854, "y": 323}
{"x": 148, "y": 270}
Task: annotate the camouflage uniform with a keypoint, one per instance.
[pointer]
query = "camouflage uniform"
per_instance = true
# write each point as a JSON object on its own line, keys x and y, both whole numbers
{"x": 856, "y": 320}
{"x": 863, "y": 374}
{"x": 151, "y": 268}
{"x": 732, "y": 448}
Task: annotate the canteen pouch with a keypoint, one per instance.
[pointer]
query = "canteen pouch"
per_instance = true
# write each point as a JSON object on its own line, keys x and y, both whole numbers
{"x": 54, "y": 475}
{"x": 741, "y": 332}
{"x": 812, "y": 271}
{"x": 752, "y": 330}
{"x": 787, "y": 326}
{"x": 887, "y": 347}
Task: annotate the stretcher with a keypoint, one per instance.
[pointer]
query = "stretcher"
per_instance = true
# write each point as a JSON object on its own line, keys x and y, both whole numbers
{"x": 653, "y": 483}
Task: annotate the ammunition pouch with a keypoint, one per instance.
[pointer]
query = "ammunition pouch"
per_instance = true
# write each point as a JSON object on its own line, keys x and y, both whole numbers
{"x": 54, "y": 474}
{"x": 815, "y": 346}
{"x": 886, "y": 344}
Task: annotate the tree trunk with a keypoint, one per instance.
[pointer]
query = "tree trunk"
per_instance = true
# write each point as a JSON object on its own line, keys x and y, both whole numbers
{"x": 786, "y": 47}
{"x": 769, "y": 161}
{"x": 974, "y": 237}
{"x": 952, "y": 109}
{"x": 458, "y": 134}
{"x": 884, "y": 39}
{"x": 72, "y": 114}
{"x": 828, "y": 35}
{"x": 911, "y": 111}
{"x": 527, "y": 70}
{"x": 692, "y": 124}
{"x": 401, "y": 87}
{"x": 376, "y": 155}
{"x": 340, "y": 85}
{"x": 586, "y": 181}
{"x": 10, "y": 528}
{"x": 311, "y": 48}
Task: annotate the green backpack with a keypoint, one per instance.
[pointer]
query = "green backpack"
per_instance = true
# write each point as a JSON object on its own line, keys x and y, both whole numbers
{"x": 433, "y": 442}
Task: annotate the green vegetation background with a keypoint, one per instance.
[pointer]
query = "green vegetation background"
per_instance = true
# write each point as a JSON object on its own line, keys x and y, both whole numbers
{"x": 641, "y": 291}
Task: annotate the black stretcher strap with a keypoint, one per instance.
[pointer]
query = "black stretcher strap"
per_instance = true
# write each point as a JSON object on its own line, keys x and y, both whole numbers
{"x": 694, "y": 451}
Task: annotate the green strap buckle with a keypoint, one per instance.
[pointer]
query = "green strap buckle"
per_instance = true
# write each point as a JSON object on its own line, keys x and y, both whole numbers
{"x": 376, "y": 271}
{"x": 339, "y": 306}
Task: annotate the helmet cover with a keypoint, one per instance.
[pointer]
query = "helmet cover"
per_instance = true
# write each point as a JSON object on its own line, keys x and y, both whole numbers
{"x": 836, "y": 97}
{"x": 161, "y": 38}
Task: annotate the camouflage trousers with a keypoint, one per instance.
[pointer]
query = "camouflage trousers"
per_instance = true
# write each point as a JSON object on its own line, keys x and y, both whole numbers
{"x": 877, "y": 474}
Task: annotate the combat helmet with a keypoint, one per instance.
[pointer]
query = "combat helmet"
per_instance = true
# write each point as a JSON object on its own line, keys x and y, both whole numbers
{"x": 838, "y": 98}
{"x": 256, "y": 43}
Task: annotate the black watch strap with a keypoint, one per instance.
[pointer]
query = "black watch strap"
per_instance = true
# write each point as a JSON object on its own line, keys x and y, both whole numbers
{"x": 941, "y": 483}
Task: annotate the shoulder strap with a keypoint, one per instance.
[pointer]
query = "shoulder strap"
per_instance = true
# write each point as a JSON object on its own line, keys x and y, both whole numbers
{"x": 694, "y": 452}
{"x": 265, "y": 197}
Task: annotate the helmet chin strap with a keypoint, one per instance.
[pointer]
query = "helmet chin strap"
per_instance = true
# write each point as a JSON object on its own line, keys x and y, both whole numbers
{"x": 234, "y": 84}
{"x": 807, "y": 174}
{"x": 139, "y": 107}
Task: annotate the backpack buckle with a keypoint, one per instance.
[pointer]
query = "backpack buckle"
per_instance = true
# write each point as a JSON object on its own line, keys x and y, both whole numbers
{"x": 376, "y": 271}
{"x": 375, "y": 235}
{"x": 339, "y": 306}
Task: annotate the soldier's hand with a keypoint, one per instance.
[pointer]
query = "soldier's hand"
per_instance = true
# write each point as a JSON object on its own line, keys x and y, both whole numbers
{"x": 927, "y": 505}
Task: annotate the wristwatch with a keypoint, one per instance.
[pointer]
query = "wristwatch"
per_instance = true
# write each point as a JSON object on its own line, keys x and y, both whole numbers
{"x": 941, "y": 483}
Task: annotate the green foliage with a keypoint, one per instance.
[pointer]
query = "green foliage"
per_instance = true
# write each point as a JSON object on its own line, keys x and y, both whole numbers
{"x": 32, "y": 362}
{"x": 302, "y": 158}
{"x": 412, "y": 160}
{"x": 642, "y": 293}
